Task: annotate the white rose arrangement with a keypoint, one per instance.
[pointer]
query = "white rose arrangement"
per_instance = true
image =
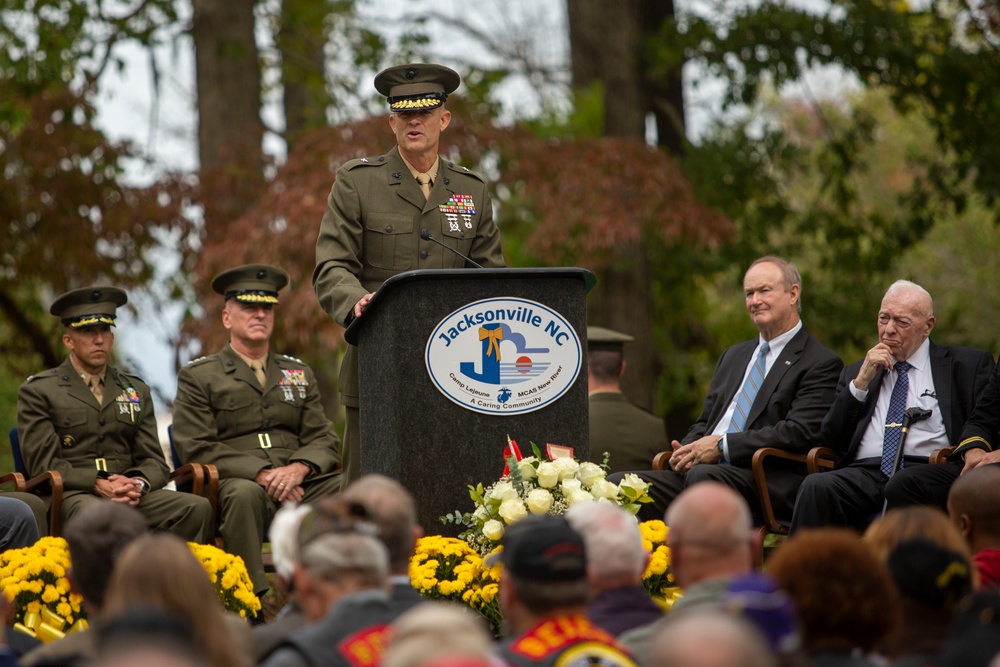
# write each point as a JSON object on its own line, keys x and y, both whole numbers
{"x": 538, "y": 485}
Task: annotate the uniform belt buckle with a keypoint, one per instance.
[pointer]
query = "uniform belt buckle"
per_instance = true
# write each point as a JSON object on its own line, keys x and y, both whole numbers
{"x": 265, "y": 440}
{"x": 102, "y": 464}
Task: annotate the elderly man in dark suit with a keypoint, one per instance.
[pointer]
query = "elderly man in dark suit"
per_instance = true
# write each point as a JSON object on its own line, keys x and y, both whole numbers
{"x": 387, "y": 214}
{"x": 930, "y": 485}
{"x": 771, "y": 391}
{"x": 905, "y": 369}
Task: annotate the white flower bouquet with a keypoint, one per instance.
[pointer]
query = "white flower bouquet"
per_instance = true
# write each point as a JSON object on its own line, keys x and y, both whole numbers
{"x": 539, "y": 485}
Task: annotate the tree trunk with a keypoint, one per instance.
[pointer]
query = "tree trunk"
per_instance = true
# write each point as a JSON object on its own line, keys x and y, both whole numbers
{"x": 664, "y": 97}
{"x": 230, "y": 131}
{"x": 228, "y": 79}
{"x": 606, "y": 42}
{"x": 301, "y": 39}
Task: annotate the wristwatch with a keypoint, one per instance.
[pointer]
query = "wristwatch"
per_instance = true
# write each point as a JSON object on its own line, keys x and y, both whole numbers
{"x": 143, "y": 485}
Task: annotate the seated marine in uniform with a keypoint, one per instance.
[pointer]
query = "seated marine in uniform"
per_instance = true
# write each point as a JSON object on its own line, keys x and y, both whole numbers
{"x": 256, "y": 416}
{"x": 630, "y": 435}
{"x": 94, "y": 424}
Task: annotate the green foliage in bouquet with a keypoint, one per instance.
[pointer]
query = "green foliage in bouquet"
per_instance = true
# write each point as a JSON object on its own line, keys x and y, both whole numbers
{"x": 538, "y": 485}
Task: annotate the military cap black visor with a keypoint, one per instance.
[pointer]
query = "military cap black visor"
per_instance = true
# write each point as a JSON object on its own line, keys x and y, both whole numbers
{"x": 251, "y": 283}
{"x": 417, "y": 86}
{"x": 88, "y": 306}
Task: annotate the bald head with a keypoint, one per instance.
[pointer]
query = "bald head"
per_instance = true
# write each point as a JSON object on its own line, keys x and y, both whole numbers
{"x": 974, "y": 506}
{"x": 711, "y": 524}
{"x": 708, "y": 638}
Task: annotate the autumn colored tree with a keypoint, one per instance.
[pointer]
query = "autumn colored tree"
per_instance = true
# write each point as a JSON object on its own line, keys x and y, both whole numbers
{"x": 69, "y": 220}
{"x": 560, "y": 201}
{"x": 69, "y": 217}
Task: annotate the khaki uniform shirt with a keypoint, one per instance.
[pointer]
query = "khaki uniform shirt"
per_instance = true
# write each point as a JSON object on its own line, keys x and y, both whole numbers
{"x": 223, "y": 417}
{"x": 371, "y": 232}
{"x": 63, "y": 428}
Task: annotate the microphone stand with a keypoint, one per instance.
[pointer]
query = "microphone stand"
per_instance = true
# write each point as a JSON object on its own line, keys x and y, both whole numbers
{"x": 426, "y": 235}
{"x": 910, "y": 416}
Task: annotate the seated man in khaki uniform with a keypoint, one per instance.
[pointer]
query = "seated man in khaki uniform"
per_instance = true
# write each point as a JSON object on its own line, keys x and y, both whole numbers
{"x": 256, "y": 416}
{"x": 94, "y": 424}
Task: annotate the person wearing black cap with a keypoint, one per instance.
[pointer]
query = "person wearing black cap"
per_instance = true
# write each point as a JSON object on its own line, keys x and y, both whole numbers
{"x": 385, "y": 213}
{"x": 256, "y": 416}
{"x": 630, "y": 435}
{"x": 94, "y": 424}
{"x": 543, "y": 596}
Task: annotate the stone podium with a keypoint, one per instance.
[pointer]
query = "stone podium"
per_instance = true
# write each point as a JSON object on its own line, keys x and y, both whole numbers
{"x": 453, "y": 361}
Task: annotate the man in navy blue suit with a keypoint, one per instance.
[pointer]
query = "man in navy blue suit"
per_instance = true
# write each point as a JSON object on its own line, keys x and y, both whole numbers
{"x": 771, "y": 391}
{"x": 904, "y": 369}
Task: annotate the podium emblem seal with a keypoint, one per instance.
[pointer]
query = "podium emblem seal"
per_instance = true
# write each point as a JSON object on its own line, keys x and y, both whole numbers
{"x": 503, "y": 356}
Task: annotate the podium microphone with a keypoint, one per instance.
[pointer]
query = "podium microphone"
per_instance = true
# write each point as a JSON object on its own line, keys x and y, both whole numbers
{"x": 426, "y": 235}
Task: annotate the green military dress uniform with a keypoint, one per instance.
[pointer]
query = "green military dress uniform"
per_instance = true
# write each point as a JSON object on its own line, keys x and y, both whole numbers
{"x": 63, "y": 428}
{"x": 372, "y": 227}
{"x": 631, "y": 436}
{"x": 224, "y": 417}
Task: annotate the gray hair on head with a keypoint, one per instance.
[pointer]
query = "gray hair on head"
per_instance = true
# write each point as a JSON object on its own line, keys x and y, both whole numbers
{"x": 789, "y": 273}
{"x": 612, "y": 537}
{"x": 356, "y": 555}
{"x": 910, "y": 286}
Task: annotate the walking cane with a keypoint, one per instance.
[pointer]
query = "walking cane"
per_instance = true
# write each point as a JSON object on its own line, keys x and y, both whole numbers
{"x": 910, "y": 416}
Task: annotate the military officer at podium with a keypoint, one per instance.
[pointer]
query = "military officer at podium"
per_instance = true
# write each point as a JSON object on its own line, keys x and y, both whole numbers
{"x": 94, "y": 424}
{"x": 255, "y": 415}
{"x": 392, "y": 213}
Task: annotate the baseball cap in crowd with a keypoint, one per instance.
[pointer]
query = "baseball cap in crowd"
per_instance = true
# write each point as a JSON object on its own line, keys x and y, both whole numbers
{"x": 759, "y": 600}
{"x": 543, "y": 547}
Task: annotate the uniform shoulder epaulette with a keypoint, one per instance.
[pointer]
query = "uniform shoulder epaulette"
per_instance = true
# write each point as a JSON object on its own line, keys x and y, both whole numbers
{"x": 364, "y": 162}
{"x": 44, "y": 374}
{"x": 201, "y": 360}
{"x": 131, "y": 375}
{"x": 291, "y": 358}
{"x": 459, "y": 169}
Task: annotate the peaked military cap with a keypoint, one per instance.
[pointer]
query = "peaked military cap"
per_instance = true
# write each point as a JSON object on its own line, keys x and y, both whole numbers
{"x": 88, "y": 306}
{"x": 599, "y": 338}
{"x": 417, "y": 86}
{"x": 251, "y": 283}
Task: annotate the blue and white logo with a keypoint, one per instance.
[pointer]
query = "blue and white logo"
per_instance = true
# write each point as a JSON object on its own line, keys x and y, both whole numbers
{"x": 503, "y": 356}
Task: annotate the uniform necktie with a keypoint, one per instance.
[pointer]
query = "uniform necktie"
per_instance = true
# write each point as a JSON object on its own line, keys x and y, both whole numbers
{"x": 749, "y": 391}
{"x": 257, "y": 366}
{"x": 425, "y": 184}
{"x": 96, "y": 388}
{"x": 894, "y": 418}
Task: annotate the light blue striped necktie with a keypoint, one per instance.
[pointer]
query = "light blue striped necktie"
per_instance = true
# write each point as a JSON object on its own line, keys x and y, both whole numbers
{"x": 749, "y": 391}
